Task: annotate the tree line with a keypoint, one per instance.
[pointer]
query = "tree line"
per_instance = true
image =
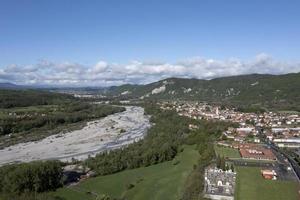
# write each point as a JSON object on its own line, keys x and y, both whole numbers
{"x": 25, "y": 179}
{"x": 14, "y": 121}
{"x": 23, "y": 98}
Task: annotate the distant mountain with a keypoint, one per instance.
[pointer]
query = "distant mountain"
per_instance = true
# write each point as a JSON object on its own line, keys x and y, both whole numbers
{"x": 280, "y": 91}
{"x": 10, "y": 86}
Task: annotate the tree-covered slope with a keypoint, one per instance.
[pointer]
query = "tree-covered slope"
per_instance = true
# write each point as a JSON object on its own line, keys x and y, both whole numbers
{"x": 23, "y": 98}
{"x": 282, "y": 91}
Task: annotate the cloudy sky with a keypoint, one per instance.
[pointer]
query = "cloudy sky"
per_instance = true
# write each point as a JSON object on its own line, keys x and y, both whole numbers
{"x": 101, "y": 43}
{"x": 103, "y": 73}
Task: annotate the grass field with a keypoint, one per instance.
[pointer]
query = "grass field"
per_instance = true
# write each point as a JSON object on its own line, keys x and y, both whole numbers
{"x": 251, "y": 185}
{"x": 227, "y": 152}
{"x": 162, "y": 181}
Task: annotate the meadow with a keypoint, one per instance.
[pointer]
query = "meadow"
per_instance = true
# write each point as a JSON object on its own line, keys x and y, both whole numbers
{"x": 251, "y": 185}
{"x": 226, "y": 152}
{"x": 161, "y": 181}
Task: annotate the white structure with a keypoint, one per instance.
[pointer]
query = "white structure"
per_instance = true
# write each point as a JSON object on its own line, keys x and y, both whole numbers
{"x": 219, "y": 184}
{"x": 287, "y": 142}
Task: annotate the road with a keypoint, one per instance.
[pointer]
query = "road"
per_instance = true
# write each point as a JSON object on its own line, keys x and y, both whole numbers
{"x": 283, "y": 157}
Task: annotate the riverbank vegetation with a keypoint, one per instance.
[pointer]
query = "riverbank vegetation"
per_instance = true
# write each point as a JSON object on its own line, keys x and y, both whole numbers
{"x": 160, "y": 144}
{"x": 34, "y": 122}
{"x": 22, "y": 181}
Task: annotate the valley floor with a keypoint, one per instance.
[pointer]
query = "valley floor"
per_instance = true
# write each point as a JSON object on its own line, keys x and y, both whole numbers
{"x": 107, "y": 133}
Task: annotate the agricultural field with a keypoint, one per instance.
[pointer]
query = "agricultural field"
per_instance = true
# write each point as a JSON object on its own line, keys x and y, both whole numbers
{"x": 251, "y": 185}
{"x": 226, "y": 152}
{"x": 153, "y": 182}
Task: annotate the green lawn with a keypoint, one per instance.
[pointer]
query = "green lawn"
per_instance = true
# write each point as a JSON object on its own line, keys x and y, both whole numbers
{"x": 162, "y": 181}
{"x": 227, "y": 152}
{"x": 251, "y": 185}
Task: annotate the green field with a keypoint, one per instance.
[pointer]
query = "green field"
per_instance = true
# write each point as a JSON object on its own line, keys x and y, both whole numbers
{"x": 251, "y": 185}
{"x": 226, "y": 152}
{"x": 162, "y": 181}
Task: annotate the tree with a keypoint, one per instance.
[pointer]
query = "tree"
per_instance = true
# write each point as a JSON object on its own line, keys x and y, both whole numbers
{"x": 218, "y": 161}
{"x": 223, "y": 164}
{"x": 232, "y": 168}
{"x": 227, "y": 167}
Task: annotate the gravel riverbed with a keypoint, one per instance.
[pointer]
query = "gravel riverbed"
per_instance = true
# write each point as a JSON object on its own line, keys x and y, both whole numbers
{"x": 113, "y": 131}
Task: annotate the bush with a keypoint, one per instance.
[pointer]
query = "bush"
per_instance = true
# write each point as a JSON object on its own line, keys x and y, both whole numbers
{"x": 129, "y": 186}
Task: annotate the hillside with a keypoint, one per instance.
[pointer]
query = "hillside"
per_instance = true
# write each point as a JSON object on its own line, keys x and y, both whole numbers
{"x": 279, "y": 91}
{"x": 21, "y": 98}
{"x": 10, "y": 86}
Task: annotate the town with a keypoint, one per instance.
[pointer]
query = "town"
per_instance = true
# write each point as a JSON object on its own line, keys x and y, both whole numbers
{"x": 268, "y": 140}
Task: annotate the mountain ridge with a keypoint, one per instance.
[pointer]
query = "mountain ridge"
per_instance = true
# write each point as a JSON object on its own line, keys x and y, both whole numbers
{"x": 252, "y": 89}
{"x": 263, "y": 90}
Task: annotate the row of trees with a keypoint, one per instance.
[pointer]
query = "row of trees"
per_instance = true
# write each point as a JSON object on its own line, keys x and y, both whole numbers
{"x": 52, "y": 117}
{"x": 221, "y": 163}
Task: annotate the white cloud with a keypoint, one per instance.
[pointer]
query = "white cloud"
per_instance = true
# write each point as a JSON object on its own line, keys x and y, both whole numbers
{"x": 100, "y": 67}
{"x": 104, "y": 74}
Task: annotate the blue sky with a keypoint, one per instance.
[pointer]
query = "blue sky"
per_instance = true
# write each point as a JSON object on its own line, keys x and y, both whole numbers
{"x": 120, "y": 33}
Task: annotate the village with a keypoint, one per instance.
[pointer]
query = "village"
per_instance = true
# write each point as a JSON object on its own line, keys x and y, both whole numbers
{"x": 257, "y": 140}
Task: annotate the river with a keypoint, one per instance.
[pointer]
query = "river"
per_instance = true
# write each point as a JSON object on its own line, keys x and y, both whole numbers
{"x": 111, "y": 132}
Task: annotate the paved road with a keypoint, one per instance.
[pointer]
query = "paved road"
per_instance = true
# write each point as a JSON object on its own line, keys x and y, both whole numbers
{"x": 286, "y": 160}
{"x": 252, "y": 163}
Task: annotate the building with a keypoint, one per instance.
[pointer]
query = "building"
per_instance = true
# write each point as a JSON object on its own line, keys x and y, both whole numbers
{"x": 287, "y": 142}
{"x": 219, "y": 184}
{"x": 256, "y": 140}
{"x": 269, "y": 174}
{"x": 256, "y": 152}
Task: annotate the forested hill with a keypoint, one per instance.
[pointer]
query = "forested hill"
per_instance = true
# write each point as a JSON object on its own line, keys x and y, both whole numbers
{"x": 279, "y": 91}
{"x": 10, "y": 86}
{"x": 23, "y": 98}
